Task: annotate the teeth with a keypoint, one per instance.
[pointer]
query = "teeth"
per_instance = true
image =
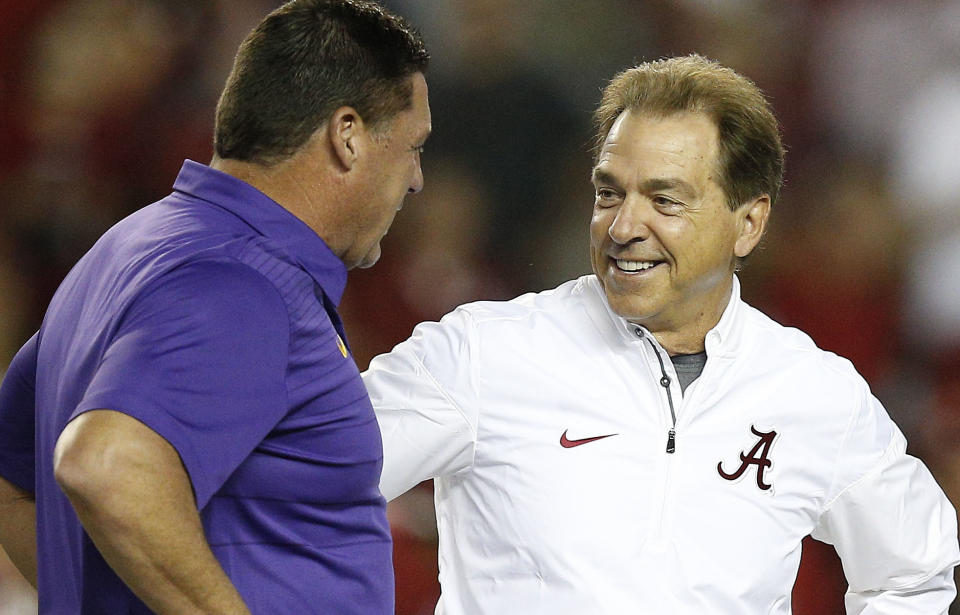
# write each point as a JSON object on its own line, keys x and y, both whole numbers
{"x": 634, "y": 265}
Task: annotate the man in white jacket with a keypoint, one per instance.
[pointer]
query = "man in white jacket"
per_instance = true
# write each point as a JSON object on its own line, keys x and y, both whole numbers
{"x": 641, "y": 440}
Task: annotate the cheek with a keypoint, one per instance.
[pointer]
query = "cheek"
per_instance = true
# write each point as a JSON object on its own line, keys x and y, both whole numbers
{"x": 600, "y": 225}
{"x": 709, "y": 250}
{"x": 385, "y": 222}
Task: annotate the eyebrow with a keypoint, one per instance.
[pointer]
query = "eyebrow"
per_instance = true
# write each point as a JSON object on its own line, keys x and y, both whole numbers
{"x": 599, "y": 176}
{"x": 668, "y": 183}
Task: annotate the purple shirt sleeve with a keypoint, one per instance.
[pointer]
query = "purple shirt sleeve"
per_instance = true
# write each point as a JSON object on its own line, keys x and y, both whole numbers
{"x": 17, "y": 401}
{"x": 200, "y": 357}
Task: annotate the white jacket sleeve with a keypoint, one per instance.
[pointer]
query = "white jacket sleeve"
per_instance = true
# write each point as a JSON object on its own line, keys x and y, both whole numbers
{"x": 423, "y": 392}
{"x": 892, "y": 525}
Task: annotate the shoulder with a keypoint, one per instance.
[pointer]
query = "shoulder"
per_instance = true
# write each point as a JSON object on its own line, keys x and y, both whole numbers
{"x": 490, "y": 329}
{"x": 773, "y": 346}
{"x": 816, "y": 393}
{"x": 812, "y": 390}
{"x": 220, "y": 279}
{"x": 555, "y": 305}
{"x": 159, "y": 239}
{"x": 213, "y": 293}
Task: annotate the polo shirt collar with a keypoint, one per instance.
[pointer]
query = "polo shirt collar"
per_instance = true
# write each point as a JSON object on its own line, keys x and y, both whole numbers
{"x": 270, "y": 219}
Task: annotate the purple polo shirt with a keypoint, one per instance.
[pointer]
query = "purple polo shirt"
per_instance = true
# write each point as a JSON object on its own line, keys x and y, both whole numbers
{"x": 210, "y": 316}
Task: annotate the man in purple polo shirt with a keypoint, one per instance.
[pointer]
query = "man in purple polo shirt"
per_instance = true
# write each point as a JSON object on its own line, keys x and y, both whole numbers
{"x": 187, "y": 431}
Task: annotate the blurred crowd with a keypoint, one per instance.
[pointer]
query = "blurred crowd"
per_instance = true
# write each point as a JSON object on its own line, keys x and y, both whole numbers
{"x": 100, "y": 101}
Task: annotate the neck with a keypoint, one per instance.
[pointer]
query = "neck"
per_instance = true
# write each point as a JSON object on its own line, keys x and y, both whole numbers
{"x": 676, "y": 343}
{"x": 309, "y": 200}
{"x": 687, "y": 336}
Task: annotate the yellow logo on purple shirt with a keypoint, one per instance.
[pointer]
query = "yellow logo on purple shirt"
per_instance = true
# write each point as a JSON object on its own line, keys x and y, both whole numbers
{"x": 342, "y": 347}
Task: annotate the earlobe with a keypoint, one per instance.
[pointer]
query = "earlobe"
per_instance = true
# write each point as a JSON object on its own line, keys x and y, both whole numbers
{"x": 344, "y": 131}
{"x": 753, "y": 223}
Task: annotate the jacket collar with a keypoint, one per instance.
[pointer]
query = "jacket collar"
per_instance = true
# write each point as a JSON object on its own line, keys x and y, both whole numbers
{"x": 724, "y": 339}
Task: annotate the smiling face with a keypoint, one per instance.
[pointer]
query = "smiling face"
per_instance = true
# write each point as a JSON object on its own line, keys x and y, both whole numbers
{"x": 391, "y": 171}
{"x": 663, "y": 242}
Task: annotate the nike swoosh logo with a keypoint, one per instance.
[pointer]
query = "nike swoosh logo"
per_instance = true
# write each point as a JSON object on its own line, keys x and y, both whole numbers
{"x": 567, "y": 443}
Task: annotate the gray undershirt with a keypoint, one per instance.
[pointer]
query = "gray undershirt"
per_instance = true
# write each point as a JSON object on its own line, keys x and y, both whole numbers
{"x": 689, "y": 367}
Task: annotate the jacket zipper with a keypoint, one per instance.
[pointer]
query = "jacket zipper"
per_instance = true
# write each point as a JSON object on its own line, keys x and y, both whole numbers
{"x": 665, "y": 383}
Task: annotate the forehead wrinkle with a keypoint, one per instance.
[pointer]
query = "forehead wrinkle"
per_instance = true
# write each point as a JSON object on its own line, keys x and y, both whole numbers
{"x": 686, "y": 163}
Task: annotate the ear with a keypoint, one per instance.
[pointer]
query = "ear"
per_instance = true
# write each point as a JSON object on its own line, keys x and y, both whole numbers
{"x": 752, "y": 221}
{"x": 345, "y": 130}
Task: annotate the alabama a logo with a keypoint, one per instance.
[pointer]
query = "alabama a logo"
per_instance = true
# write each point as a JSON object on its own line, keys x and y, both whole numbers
{"x": 758, "y": 456}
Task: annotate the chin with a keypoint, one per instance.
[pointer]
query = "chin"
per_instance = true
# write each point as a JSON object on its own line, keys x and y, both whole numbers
{"x": 371, "y": 258}
{"x": 368, "y": 263}
{"x": 628, "y": 306}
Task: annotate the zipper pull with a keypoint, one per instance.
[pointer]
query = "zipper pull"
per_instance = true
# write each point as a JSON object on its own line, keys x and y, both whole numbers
{"x": 671, "y": 440}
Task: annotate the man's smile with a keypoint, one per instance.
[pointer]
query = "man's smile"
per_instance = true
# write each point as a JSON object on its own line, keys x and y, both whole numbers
{"x": 635, "y": 266}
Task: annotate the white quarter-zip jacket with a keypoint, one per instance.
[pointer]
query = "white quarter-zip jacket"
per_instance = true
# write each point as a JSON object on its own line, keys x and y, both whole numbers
{"x": 548, "y": 423}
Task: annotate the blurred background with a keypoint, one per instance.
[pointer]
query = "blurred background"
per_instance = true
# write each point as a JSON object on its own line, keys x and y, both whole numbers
{"x": 101, "y": 100}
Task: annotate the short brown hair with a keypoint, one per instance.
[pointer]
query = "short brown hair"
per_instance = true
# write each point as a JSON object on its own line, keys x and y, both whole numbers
{"x": 305, "y": 60}
{"x": 751, "y": 154}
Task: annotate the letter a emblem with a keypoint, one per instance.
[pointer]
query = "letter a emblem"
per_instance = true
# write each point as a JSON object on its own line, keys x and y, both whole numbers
{"x": 757, "y": 456}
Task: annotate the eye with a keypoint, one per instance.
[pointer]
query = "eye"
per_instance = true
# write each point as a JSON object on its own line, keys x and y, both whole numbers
{"x": 666, "y": 204}
{"x": 605, "y": 197}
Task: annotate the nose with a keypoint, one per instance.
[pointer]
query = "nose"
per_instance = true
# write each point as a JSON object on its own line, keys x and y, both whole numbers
{"x": 416, "y": 183}
{"x": 631, "y": 222}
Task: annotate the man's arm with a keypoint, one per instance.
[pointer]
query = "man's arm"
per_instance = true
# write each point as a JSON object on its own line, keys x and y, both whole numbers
{"x": 935, "y": 595}
{"x": 18, "y": 510}
{"x": 18, "y": 531}
{"x": 135, "y": 500}
{"x": 893, "y": 527}
{"x": 191, "y": 382}
{"x": 423, "y": 394}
